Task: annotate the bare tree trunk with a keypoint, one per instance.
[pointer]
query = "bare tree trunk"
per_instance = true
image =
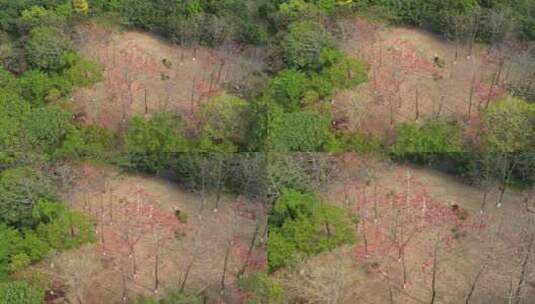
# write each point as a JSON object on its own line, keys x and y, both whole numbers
{"x": 146, "y": 103}
{"x": 505, "y": 178}
{"x": 440, "y": 105}
{"x": 219, "y": 181}
{"x": 365, "y": 237}
{"x": 391, "y": 113}
{"x": 473, "y": 285}
{"x": 124, "y": 288}
{"x": 471, "y": 98}
{"x": 157, "y": 270}
{"x": 225, "y": 266}
{"x": 186, "y": 275}
{"x": 524, "y": 271}
{"x": 404, "y": 268}
{"x": 249, "y": 251}
{"x": 434, "y": 278}
{"x": 417, "y": 104}
{"x": 375, "y": 207}
{"x": 220, "y": 71}
{"x": 484, "y": 201}
{"x": 192, "y": 99}
{"x": 492, "y": 85}
{"x": 390, "y": 292}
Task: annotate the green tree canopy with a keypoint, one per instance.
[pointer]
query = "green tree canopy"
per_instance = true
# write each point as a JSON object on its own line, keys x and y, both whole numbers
{"x": 424, "y": 141}
{"x": 225, "y": 118}
{"x": 303, "y": 45}
{"x": 20, "y": 190}
{"x": 301, "y": 225}
{"x": 47, "y": 127}
{"x": 151, "y": 143}
{"x": 20, "y": 293}
{"x": 510, "y": 126}
{"x": 287, "y": 89}
{"x": 298, "y": 132}
{"x": 45, "y": 48}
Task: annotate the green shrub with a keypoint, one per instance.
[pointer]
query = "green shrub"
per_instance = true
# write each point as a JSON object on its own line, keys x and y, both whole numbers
{"x": 509, "y": 126}
{"x": 45, "y": 48}
{"x": 81, "y": 72}
{"x": 423, "y": 142}
{"x": 20, "y": 190}
{"x": 224, "y": 118}
{"x": 360, "y": 143}
{"x": 304, "y": 44}
{"x": 346, "y": 73}
{"x": 20, "y": 293}
{"x": 151, "y": 143}
{"x": 298, "y": 132}
{"x": 301, "y": 226}
{"x": 35, "y": 86}
{"x": 92, "y": 142}
{"x": 264, "y": 289}
{"x": 46, "y": 128}
{"x": 68, "y": 230}
{"x": 287, "y": 89}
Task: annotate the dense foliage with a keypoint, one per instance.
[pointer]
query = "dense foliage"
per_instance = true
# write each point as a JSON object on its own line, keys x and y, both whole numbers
{"x": 490, "y": 19}
{"x": 303, "y": 226}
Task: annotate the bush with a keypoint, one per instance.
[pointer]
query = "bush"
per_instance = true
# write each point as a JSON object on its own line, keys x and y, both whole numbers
{"x": 509, "y": 126}
{"x": 36, "y": 86}
{"x": 346, "y": 73}
{"x": 20, "y": 190}
{"x": 265, "y": 290}
{"x": 298, "y": 132}
{"x": 303, "y": 45}
{"x": 20, "y": 293}
{"x": 423, "y": 142}
{"x": 294, "y": 10}
{"x": 301, "y": 226}
{"x": 46, "y": 128}
{"x": 224, "y": 118}
{"x": 287, "y": 89}
{"x": 92, "y": 142}
{"x": 81, "y": 72}
{"x": 66, "y": 229}
{"x": 151, "y": 143}
{"x": 45, "y": 48}
{"x": 360, "y": 143}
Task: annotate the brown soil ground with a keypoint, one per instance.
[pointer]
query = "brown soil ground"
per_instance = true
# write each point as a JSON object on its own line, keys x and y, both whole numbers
{"x": 495, "y": 238}
{"x": 405, "y": 81}
{"x": 145, "y": 74}
{"x": 135, "y": 221}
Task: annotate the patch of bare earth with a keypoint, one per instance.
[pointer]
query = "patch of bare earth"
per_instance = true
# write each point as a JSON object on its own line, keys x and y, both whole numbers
{"x": 143, "y": 247}
{"x": 416, "y": 224}
{"x": 144, "y": 74}
{"x": 407, "y": 83}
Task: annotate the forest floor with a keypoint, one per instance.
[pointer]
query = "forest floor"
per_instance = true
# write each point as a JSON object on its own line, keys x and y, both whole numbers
{"x": 135, "y": 223}
{"x": 399, "y": 231}
{"x": 408, "y": 83}
{"x": 144, "y": 74}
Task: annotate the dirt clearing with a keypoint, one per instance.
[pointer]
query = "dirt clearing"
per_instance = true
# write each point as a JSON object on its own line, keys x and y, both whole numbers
{"x": 151, "y": 236}
{"x": 415, "y": 75}
{"x": 145, "y": 74}
{"x": 417, "y": 223}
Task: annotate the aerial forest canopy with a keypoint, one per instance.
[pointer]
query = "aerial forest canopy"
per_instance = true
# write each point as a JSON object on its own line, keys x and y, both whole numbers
{"x": 279, "y": 141}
